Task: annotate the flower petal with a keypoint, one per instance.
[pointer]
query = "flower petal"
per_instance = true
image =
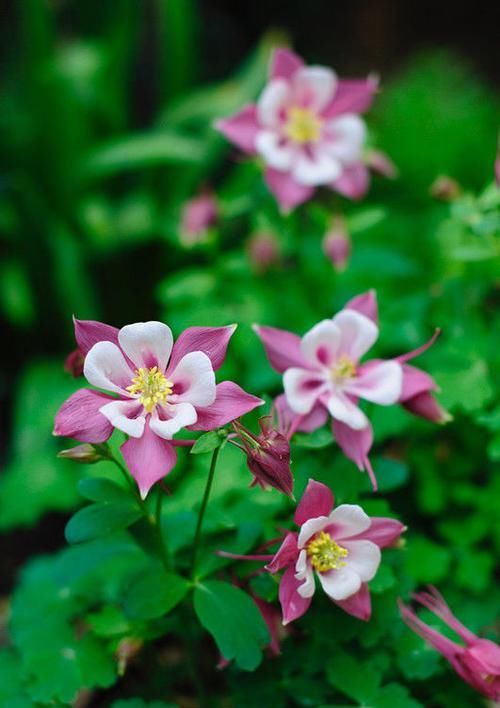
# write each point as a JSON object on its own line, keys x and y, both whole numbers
{"x": 212, "y": 341}
{"x": 128, "y": 416}
{"x": 284, "y": 64}
{"x": 353, "y": 96}
{"x": 168, "y": 420}
{"x": 293, "y": 605}
{"x": 378, "y": 382}
{"x": 313, "y": 87}
{"x": 315, "y": 167}
{"x": 288, "y": 192}
{"x": 147, "y": 344}
{"x": 231, "y": 402}
{"x": 277, "y": 153}
{"x": 358, "y": 605}
{"x": 283, "y": 348}
{"x": 285, "y": 555}
{"x": 89, "y": 332}
{"x": 105, "y": 367}
{"x": 148, "y": 458}
{"x": 341, "y": 583}
{"x": 344, "y": 138}
{"x": 79, "y": 417}
{"x": 304, "y": 573}
{"x": 425, "y": 406}
{"x": 194, "y": 380}
{"x": 302, "y": 389}
{"x": 415, "y": 382}
{"x": 359, "y": 333}
{"x": 320, "y": 345}
{"x": 365, "y": 304}
{"x": 348, "y": 520}
{"x": 355, "y": 444}
{"x": 383, "y": 531}
{"x": 271, "y": 103}
{"x": 364, "y": 558}
{"x": 353, "y": 183}
{"x": 311, "y": 527}
{"x": 343, "y": 409}
{"x": 241, "y": 129}
{"x": 317, "y": 500}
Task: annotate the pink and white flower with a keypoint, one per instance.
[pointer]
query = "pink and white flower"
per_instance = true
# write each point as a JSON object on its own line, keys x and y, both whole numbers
{"x": 305, "y": 125}
{"x": 198, "y": 215}
{"x": 340, "y": 546}
{"x": 157, "y": 388}
{"x": 477, "y": 663}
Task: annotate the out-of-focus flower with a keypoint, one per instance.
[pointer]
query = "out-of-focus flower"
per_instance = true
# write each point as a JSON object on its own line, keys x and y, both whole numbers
{"x": 477, "y": 663}
{"x": 263, "y": 250}
{"x": 73, "y": 363}
{"x": 337, "y": 244}
{"x": 340, "y": 546}
{"x": 157, "y": 388}
{"x": 306, "y": 128}
{"x": 445, "y": 188}
{"x": 379, "y": 162}
{"x": 268, "y": 456}
{"x": 86, "y": 454}
{"x": 198, "y": 214}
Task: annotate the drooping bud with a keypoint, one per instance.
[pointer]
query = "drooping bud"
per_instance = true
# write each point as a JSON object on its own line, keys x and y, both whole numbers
{"x": 263, "y": 250}
{"x": 268, "y": 456}
{"x": 445, "y": 188}
{"x": 337, "y": 244}
{"x": 73, "y": 363}
{"x": 198, "y": 214}
{"x": 381, "y": 163}
{"x": 86, "y": 454}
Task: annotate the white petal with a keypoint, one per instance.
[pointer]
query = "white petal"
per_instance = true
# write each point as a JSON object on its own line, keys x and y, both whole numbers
{"x": 127, "y": 416}
{"x": 382, "y": 383}
{"x": 276, "y": 152}
{"x": 194, "y": 380}
{"x": 301, "y": 565}
{"x": 179, "y": 416}
{"x": 272, "y": 100}
{"x": 348, "y": 520}
{"x": 105, "y": 367}
{"x": 340, "y": 583}
{"x": 364, "y": 558}
{"x": 147, "y": 344}
{"x": 359, "y": 333}
{"x": 343, "y": 409}
{"x": 311, "y": 527}
{"x": 314, "y": 87}
{"x": 308, "y": 586}
{"x": 316, "y": 167}
{"x": 302, "y": 389}
{"x": 344, "y": 138}
{"x": 319, "y": 346}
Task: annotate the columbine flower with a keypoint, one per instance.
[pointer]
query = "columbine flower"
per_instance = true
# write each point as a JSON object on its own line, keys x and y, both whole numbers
{"x": 198, "y": 214}
{"x": 157, "y": 388}
{"x": 341, "y": 547}
{"x": 263, "y": 251}
{"x": 306, "y": 128}
{"x": 477, "y": 663}
{"x": 337, "y": 244}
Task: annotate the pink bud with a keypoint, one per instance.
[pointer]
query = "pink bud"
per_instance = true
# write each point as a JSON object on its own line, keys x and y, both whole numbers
{"x": 73, "y": 363}
{"x": 198, "y": 214}
{"x": 263, "y": 250}
{"x": 86, "y": 454}
{"x": 381, "y": 163}
{"x": 337, "y": 245}
{"x": 445, "y": 188}
{"x": 425, "y": 405}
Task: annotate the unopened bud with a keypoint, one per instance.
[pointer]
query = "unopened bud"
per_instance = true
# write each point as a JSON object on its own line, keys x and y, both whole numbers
{"x": 445, "y": 188}
{"x": 126, "y": 651}
{"x": 263, "y": 250}
{"x": 381, "y": 163}
{"x": 86, "y": 453}
{"x": 198, "y": 215}
{"x": 337, "y": 245}
{"x": 73, "y": 363}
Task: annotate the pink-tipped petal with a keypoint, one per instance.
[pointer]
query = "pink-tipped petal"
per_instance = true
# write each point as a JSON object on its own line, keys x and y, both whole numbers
{"x": 358, "y": 333}
{"x": 353, "y": 183}
{"x": 285, "y": 555}
{"x": 79, "y": 417}
{"x": 126, "y": 415}
{"x": 231, "y": 402}
{"x": 353, "y": 96}
{"x": 282, "y": 348}
{"x": 320, "y": 344}
{"x": 379, "y": 382}
{"x": 284, "y": 64}
{"x": 425, "y": 406}
{"x": 212, "y": 341}
{"x": 313, "y": 420}
{"x": 313, "y": 87}
{"x": 435, "y": 602}
{"x": 317, "y": 500}
{"x": 166, "y": 421}
{"x": 365, "y": 304}
{"x": 445, "y": 646}
{"x": 241, "y": 129}
{"x": 148, "y": 458}
{"x": 147, "y": 344}
{"x": 89, "y": 332}
{"x": 303, "y": 388}
{"x": 358, "y": 605}
{"x": 289, "y": 193}
{"x": 293, "y": 605}
{"x": 382, "y": 531}
{"x": 415, "y": 382}
{"x": 194, "y": 380}
{"x": 105, "y": 367}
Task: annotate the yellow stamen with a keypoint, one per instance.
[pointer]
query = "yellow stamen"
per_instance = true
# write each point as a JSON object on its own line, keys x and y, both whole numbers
{"x": 343, "y": 369}
{"x": 303, "y": 126}
{"x": 152, "y": 386}
{"x": 325, "y": 554}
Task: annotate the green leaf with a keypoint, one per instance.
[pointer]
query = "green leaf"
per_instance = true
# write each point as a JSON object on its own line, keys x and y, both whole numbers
{"x": 207, "y": 443}
{"x": 427, "y": 562}
{"x": 139, "y": 703}
{"x": 153, "y": 594}
{"x": 344, "y": 671}
{"x": 391, "y": 474}
{"x": 315, "y": 440}
{"x": 100, "y": 489}
{"x": 101, "y": 519}
{"x": 234, "y": 621}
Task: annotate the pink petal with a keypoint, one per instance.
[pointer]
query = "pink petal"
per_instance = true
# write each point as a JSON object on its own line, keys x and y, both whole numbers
{"x": 365, "y": 304}
{"x": 287, "y": 191}
{"x": 303, "y": 389}
{"x": 317, "y": 500}
{"x": 270, "y": 616}
{"x": 313, "y": 87}
{"x": 435, "y": 602}
{"x": 89, "y": 332}
{"x": 231, "y": 402}
{"x": 353, "y": 183}
{"x": 415, "y": 382}
{"x": 212, "y": 341}
{"x": 79, "y": 417}
{"x": 282, "y": 348}
{"x": 379, "y": 382}
{"x": 148, "y": 458}
{"x": 445, "y": 646}
{"x": 321, "y": 343}
{"x": 383, "y": 531}
{"x": 358, "y": 605}
{"x": 352, "y": 96}
{"x": 355, "y": 444}
{"x": 293, "y": 605}
{"x": 241, "y": 129}
{"x": 487, "y": 654}
{"x": 313, "y": 420}
{"x": 284, "y": 64}
{"x": 285, "y": 555}
{"x": 425, "y": 406}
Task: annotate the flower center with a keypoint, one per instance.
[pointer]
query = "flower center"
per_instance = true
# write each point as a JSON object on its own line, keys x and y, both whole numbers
{"x": 151, "y": 386}
{"x": 303, "y": 126}
{"x": 343, "y": 369}
{"x": 325, "y": 554}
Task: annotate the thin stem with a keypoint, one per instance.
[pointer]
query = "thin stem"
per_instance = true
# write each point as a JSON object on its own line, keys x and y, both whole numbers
{"x": 203, "y": 507}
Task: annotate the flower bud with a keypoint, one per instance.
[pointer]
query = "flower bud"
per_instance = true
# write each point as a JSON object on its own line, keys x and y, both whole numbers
{"x": 73, "y": 363}
{"x": 126, "y": 651}
{"x": 263, "y": 250}
{"x": 381, "y": 163}
{"x": 86, "y": 454}
{"x": 445, "y": 188}
{"x": 337, "y": 245}
{"x": 198, "y": 214}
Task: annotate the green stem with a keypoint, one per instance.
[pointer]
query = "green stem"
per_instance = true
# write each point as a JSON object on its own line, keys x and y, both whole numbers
{"x": 203, "y": 507}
